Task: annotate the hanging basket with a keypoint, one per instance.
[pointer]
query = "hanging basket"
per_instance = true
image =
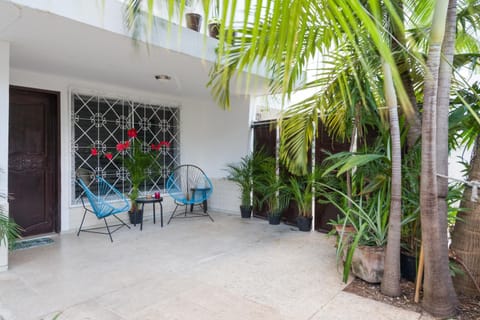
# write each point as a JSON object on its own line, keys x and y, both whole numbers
{"x": 194, "y": 21}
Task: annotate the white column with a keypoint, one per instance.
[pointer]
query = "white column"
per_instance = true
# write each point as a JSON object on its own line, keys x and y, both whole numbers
{"x": 4, "y": 106}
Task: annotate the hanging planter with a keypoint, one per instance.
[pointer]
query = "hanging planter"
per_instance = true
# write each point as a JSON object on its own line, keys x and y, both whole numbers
{"x": 194, "y": 21}
{"x": 214, "y": 29}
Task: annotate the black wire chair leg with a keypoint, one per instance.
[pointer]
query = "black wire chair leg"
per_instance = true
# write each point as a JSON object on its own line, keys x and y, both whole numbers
{"x": 81, "y": 224}
{"x": 108, "y": 229}
{"x": 123, "y": 222}
{"x": 209, "y": 216}
{"x": 173, "y": 213}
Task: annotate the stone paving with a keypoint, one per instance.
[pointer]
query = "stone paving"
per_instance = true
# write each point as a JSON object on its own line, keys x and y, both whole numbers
{"x": 191, "y": 269}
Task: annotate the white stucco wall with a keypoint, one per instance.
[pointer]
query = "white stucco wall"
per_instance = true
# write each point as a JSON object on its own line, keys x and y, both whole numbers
{"x": 210, "y": 137}
{"x": 4, "y": 107}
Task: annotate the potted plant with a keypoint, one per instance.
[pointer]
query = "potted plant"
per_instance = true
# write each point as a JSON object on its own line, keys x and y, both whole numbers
{"x": 193, "y": 19}
{"x": 214, "y": 21}
{"x": 242, "y": 175}
{"x": 9, "y": 230}
{"x": 342, "y": 229}
{"x": 138, "y": 162}
{"x": 363, "y": 254}
{"x": 214, "y": 26}
{"x": 301, "y": 189}
{"x": 271, "y": 189}
{"x": 246, "y": 174}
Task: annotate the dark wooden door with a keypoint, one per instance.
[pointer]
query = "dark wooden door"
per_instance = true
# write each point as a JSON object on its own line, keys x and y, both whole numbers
{"x": 33, "y": 173}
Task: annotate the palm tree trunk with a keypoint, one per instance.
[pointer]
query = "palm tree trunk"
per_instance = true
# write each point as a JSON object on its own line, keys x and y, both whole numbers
{"x": 402, "y": 59}
{"x": 391, "y": 275}
{"x": 439, "y": 296}
{"x": 466, "y": 238}
{"x": 443, "y": 102}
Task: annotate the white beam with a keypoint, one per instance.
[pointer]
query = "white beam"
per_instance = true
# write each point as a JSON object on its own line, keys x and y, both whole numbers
{"x": 4, "y": 107}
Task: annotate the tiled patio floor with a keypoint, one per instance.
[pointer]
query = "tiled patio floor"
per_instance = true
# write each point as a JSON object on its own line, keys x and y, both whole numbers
{"x": 191, "y": 269}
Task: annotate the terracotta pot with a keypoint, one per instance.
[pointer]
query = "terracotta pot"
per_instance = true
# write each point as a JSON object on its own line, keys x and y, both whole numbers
{"x": 194, "y": 21}
{"x": 345, "y": 234}
{"x": 347, "y": 229}
{"x": 367, "y": 263}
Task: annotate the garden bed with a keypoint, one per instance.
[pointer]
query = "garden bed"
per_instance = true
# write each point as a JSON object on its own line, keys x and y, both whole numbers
{"x": 469, "y": 308}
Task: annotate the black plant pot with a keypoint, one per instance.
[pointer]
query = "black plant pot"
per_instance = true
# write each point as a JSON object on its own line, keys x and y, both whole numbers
{"x": 246, "y": 211}
{"x": 304, "y": 223}
{"x": 274, "y": 219}
{"x": 135, "y": 219}
{"x": 194, "y": 21}
{"x": 408, "y": 267}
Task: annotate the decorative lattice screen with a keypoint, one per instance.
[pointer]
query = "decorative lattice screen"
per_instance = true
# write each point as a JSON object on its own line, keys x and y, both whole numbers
{"x": 101, "y": 123}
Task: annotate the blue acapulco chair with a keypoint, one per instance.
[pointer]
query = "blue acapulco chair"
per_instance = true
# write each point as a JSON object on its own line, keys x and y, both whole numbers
{"x": 107, "y": 201}
{"x": 188, "y": 185}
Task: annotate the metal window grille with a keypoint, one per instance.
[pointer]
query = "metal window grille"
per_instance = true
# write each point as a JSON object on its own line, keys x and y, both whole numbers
{"x": 101, "y": 123}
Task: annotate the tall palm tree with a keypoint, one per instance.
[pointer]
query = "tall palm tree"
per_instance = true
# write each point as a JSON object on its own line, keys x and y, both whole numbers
{"x": 465, "y": 237}
{"x": 439, "y": 296}
{"x": 465, "y": 128}
{"x": 442, "y": 109}
{"x": 391, "y": 277}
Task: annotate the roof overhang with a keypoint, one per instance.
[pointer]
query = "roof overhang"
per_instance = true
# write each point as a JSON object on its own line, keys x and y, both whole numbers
{"x": 88, "y": 40}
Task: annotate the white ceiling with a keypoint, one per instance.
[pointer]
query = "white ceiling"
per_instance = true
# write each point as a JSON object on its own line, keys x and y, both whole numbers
{"x": 49, "y": 43}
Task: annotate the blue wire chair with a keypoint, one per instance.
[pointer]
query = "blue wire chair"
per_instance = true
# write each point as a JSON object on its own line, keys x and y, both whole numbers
{"x": 107, "y": 201}
{"x": 188, "y": 185}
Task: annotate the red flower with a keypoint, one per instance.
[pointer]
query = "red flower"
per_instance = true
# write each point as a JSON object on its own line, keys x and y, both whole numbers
{"x": 132, "y": 133}
{"x": 108, "y": 155}
{"x": 164, "y": 143}
{"x": 159, "y": 146}
{"x": 120, "y": 147}
{"x": 94, "y": 152}
{"x": 123, "y": 146}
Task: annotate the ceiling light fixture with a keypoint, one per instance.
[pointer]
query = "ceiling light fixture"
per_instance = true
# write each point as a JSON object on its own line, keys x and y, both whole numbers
{"x": 162, "y": 77}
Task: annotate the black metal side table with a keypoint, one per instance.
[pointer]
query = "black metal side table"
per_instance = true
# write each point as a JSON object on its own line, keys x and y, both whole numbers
{"x": 152, "y": 201}
{"x": 204, "y": 203}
